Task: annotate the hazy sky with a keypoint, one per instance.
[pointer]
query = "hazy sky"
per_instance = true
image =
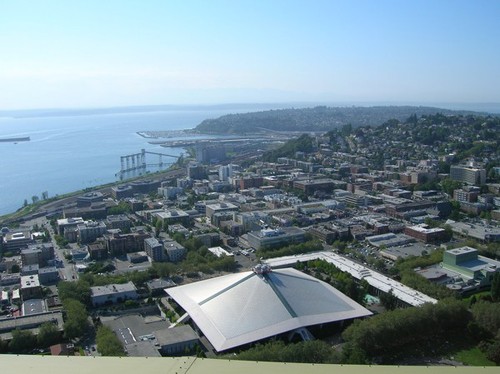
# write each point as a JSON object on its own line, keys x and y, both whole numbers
{"x": 106, "y": 53}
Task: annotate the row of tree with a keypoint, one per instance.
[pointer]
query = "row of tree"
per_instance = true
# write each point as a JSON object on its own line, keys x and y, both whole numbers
{"x": 24, "y": 341}
{"x": 292, "y": 249}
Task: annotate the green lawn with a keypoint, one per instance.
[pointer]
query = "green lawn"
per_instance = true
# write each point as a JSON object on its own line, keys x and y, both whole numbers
{"x": 473, "y": 357}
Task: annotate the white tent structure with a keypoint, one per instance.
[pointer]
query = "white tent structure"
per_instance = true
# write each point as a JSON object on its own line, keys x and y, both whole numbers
{"x": 241, "y": 308}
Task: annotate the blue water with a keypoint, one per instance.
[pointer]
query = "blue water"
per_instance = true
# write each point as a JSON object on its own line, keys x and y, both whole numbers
{"x": 75, "y": 152}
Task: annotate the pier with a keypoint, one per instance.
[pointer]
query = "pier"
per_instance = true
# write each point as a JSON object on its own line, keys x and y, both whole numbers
{"x": 137, "y": 162}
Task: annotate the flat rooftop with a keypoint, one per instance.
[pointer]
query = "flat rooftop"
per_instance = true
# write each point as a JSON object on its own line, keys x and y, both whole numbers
{"x": 112, "y": 288}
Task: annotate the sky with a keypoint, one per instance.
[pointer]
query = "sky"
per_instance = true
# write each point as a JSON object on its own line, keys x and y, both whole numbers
{"x": 78, "y": 54}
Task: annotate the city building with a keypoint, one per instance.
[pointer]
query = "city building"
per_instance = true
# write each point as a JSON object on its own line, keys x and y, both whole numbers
{"x": 309, "y": 186}
{"x": 48, "y": 275}
{"x": 30, "y": 287}
{"x": 467, "y": 262}
{"x": 468, "y": 175}
{"x": 225, "y": 172}
{"x": 219, "y": 207}
{"x": 37, "y": 254}
{"x": 219, "y": 251}
{"x": 98, "y": 250}
{"x": 175, "y": 251}
{"x": 120, "y": 244}
{"x": 270, "y": 238}
{"x": 15, "y": 240}
{"x": 89, "y": 231}
{"x": 64, "y": 224}
{"x": 122, "y": 191}
{"x": 112, "y": 293}
{"x": 466, "y": 195}
{"x": 196, "y": 171}
{"x": 119, "y": 221}
{"x": 89, "y": 198}
{"x": 425, "y": 233}
{"x": 172, "y": 216}
{"x": 483, "y": 233}
{"x": 154, "y": 249}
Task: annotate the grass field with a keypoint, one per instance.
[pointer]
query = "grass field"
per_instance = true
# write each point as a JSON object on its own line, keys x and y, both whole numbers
{"x": 473, "y": 357}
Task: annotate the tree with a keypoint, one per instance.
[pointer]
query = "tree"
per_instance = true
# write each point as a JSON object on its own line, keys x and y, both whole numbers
{"x": 35, "y": 199}
{"x": 449, "y": 185}
{"x": 79, "y": 290}
{"x": 107, "y": 342}
{"x": 495, "y": 287}
{"x": 15, "y": 268}
{"x": 388, "y": 300}
{"x": 22, "y": 341}
{"x": 48, "y": 335}
{"x": 76, "y": 319}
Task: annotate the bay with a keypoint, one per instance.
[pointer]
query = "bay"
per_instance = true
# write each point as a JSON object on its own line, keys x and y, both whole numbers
{"x": 69, "y": 153}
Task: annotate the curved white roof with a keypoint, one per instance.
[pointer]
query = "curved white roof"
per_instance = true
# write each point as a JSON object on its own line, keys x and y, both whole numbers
{"x": 241, "y": 308}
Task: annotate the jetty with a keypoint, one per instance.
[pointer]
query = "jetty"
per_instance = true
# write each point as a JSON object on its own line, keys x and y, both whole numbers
{"x": 15, "y": 140}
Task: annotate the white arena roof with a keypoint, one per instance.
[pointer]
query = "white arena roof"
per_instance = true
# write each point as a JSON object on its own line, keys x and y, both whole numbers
{"x": 241, "y": 308}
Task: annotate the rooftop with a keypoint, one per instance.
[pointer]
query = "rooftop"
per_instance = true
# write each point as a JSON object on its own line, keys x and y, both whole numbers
{"x": 241, "y": 308}
{"x": 112, "y": 288}
{"x": 375, "y": 279}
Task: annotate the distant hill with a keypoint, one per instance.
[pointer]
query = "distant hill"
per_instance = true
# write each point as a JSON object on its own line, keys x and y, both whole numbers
{"x": 320, "y": 118}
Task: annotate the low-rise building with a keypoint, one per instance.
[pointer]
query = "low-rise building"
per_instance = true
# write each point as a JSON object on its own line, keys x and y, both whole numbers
{"x": 119, "y": 221}
{"x": 467, "y": 262}
{"x": 90, "y": 230}
{"x": 309, "y": 186}
{"x": 14, "y": 241}
{"x": 426, "y": 234}
{"x": 478, "y": 231}
{"x": 113, "y": 293}
{"x": 270, "y": 238}
{"x": 219, "y": 251}
{"x": 37, "y": 254}
{"x": 98, "y": 250}
{"x": 30, "y": 287}
{"x": 177, "y": 340}
{"x": 48, "y": 275}
{"x": 172, "y": 216}
{"x": 121, "y": 244}
{"x": 211, "y": 209}
{"x": 67, "y": 223}
{"x": 154, "y": 249}
{"x": 175, "y": 251}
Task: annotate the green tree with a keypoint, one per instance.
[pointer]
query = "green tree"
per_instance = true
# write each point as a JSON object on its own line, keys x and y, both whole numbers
{"x": 15, "y": 268}
{"x": 48, "y": 335}
{"x": 79, "y": 290}
{"x": 388, "y": 300}
{"x": 449, "y": 185}
{"x": 22, "y": 341}
{"x": 487, "y": 316}
{"x": 76, "y": 319}
{"x": 107, "y": 342}
{"x": 495, "y": 287}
